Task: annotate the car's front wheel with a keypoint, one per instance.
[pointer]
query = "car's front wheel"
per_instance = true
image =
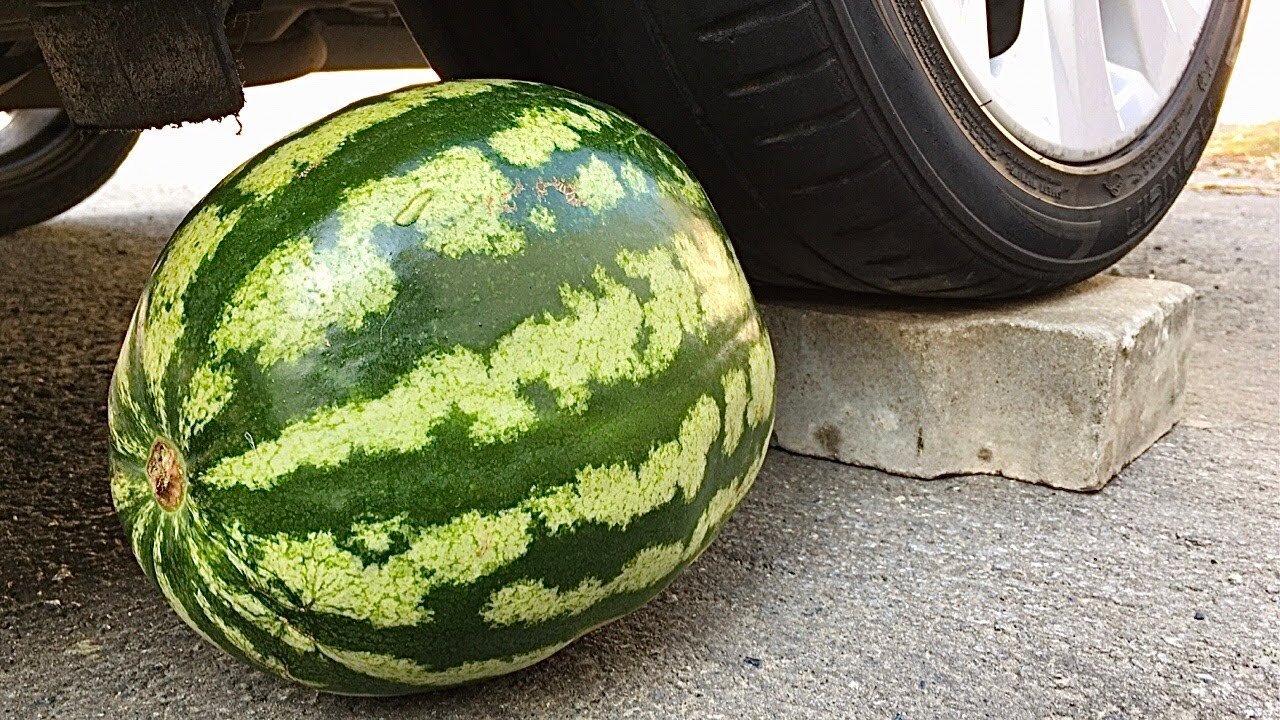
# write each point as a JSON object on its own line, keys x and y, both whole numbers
{"x": 952, "y": 148}
{"x": 48, "y": 165}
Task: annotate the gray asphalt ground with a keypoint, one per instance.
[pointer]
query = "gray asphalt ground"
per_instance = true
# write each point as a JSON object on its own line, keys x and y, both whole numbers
{"x": 834, "y": 592}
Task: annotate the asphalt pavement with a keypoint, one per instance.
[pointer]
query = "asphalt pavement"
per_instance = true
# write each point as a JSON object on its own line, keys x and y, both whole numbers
{"x": 834, "y": 592}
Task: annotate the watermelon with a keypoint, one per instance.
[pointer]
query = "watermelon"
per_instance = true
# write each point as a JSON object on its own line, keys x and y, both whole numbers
{"x": 434, "y": 386}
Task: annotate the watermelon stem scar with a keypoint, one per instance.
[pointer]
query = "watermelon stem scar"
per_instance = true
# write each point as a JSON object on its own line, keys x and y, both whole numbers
{"x": 164, "y": 470}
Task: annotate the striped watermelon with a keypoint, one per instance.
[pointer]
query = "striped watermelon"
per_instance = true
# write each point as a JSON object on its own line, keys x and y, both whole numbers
{"x": 436, "y": 385}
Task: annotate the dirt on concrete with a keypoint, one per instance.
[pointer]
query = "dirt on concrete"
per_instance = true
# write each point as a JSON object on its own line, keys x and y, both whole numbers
{"x": 1241, "y": 159}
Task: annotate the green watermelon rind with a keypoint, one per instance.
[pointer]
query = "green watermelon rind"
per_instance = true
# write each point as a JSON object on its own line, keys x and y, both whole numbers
{"x": 502, "y": 275}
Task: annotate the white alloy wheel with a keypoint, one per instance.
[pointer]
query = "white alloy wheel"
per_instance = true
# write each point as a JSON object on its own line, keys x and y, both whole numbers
{"x": 1083, "y": 78}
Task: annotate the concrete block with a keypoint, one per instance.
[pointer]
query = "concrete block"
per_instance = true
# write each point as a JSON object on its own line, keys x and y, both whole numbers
{"x": 1062, "y": 390}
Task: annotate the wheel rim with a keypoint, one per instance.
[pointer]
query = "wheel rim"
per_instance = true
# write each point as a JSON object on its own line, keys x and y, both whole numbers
{"x": 1082, "y": 78}
{"x": 36, "y": 143}
{"x": 19, "y": 127}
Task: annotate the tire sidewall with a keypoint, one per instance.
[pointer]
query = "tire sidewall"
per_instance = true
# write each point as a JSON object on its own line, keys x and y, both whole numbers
{"x": 56, "y": 170}
{"x": 1009, "y": 205}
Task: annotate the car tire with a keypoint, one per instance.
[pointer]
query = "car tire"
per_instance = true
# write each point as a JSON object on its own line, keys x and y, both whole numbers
{"x": 48, "y": 165}
{"x": 839, "y": 143}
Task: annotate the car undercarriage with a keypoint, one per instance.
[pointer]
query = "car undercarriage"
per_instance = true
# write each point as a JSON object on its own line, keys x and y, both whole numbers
{"x": 138, "y": 63}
